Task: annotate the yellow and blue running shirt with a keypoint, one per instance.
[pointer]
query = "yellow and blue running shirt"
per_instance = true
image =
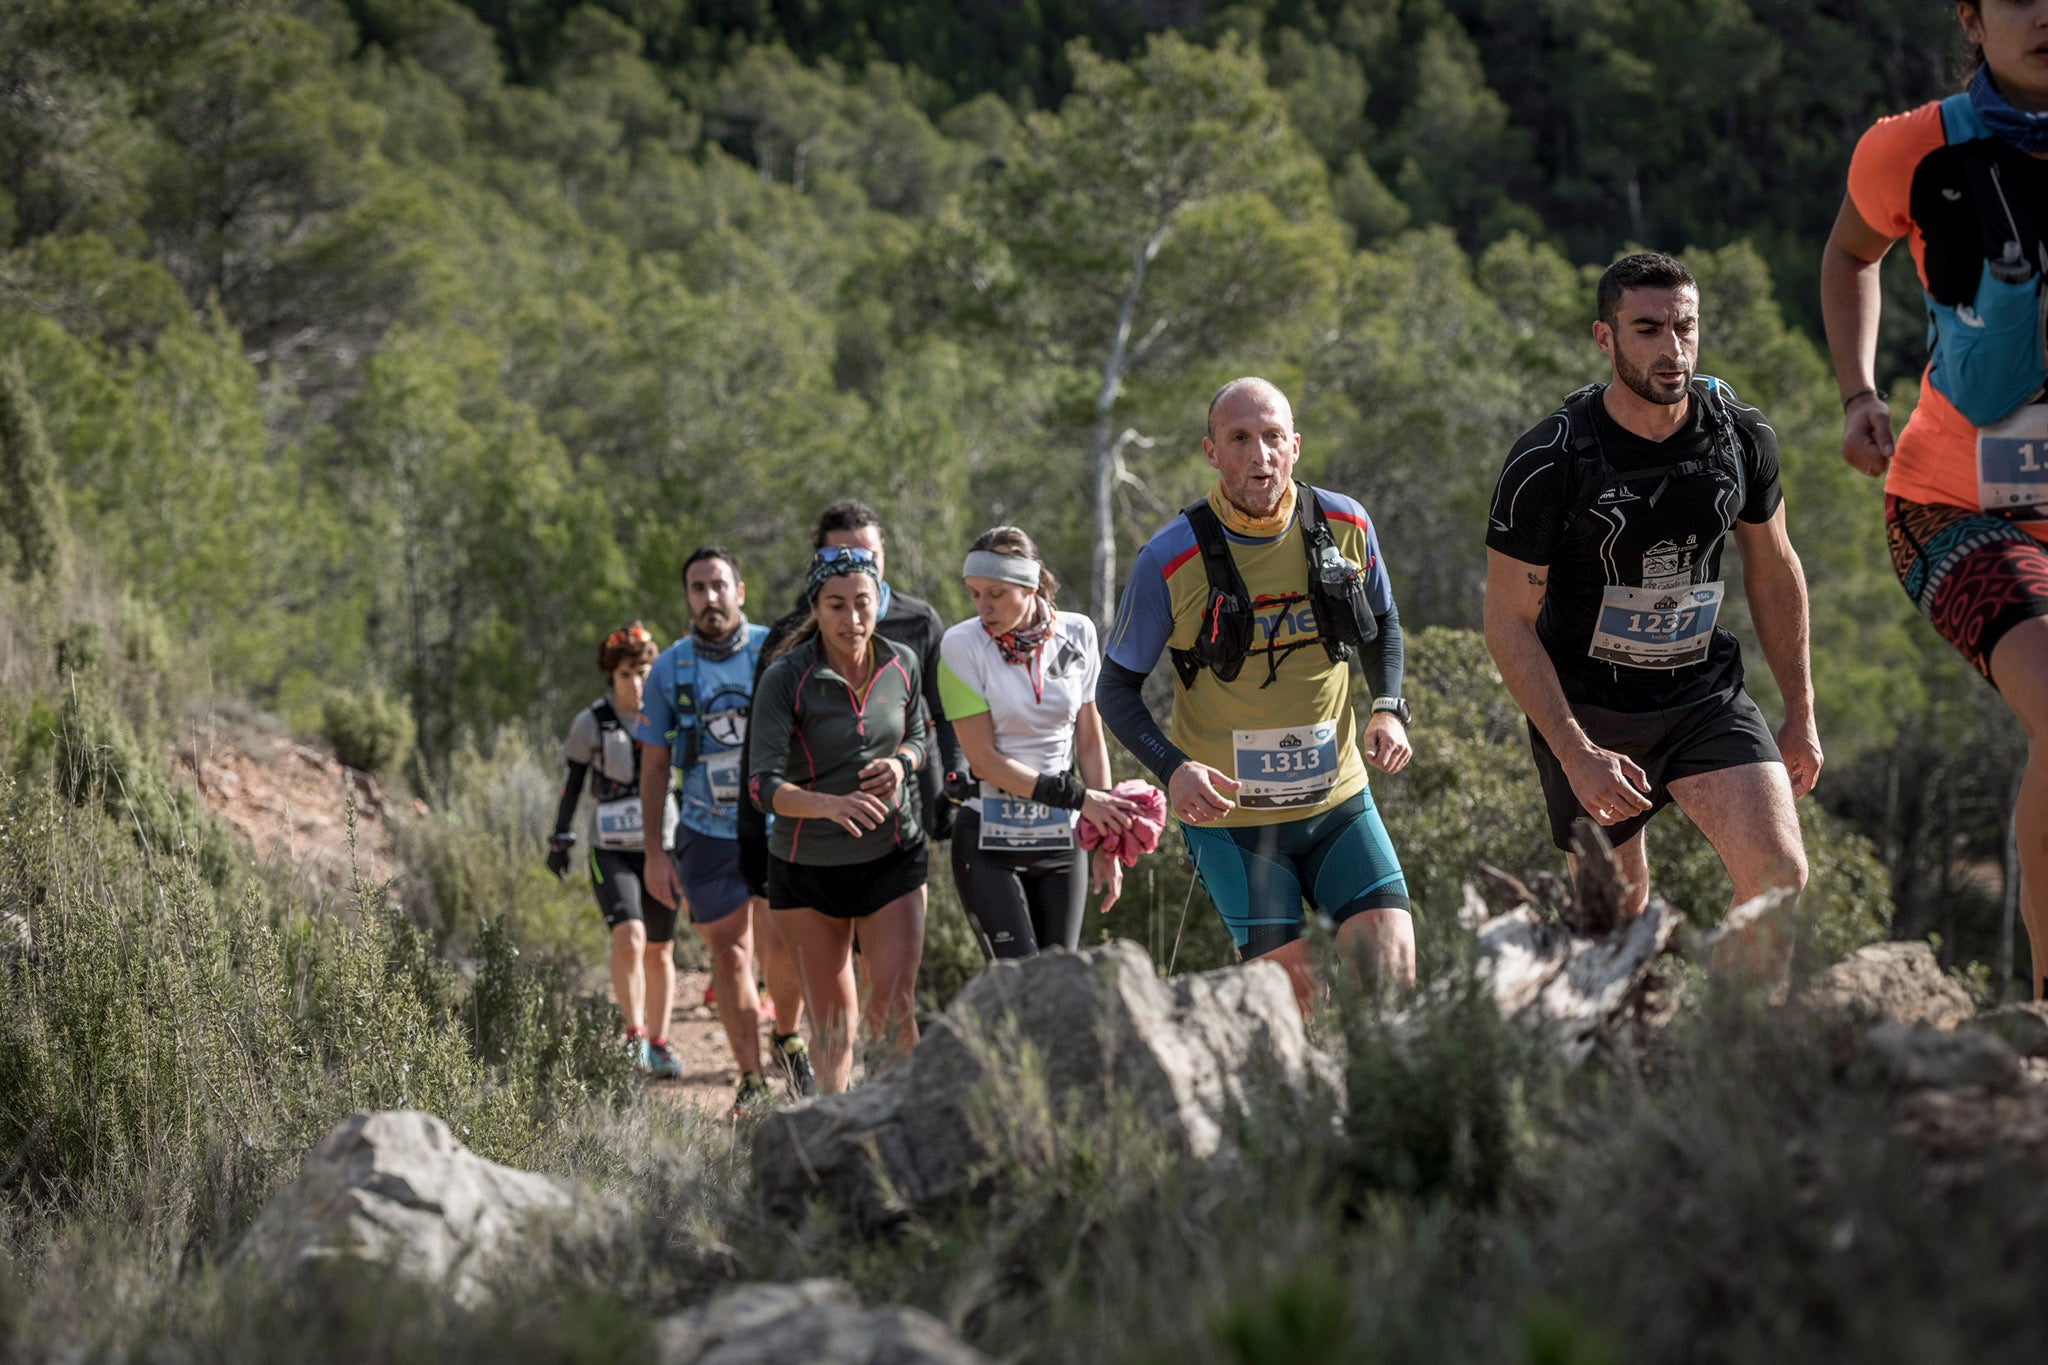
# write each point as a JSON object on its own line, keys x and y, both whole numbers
{"x": 1248, "y": 726}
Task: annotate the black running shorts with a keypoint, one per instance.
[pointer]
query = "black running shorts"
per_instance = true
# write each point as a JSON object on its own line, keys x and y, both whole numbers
{"x": 620, "y": 883}
{"x": 847, "y": 890}
{"x": 1724, "y": 731}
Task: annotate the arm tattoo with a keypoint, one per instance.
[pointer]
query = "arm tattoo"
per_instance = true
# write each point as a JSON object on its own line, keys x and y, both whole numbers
{"x": 1537, "y": 580}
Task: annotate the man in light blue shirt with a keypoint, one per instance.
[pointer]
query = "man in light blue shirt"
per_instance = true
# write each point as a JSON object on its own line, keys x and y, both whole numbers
{"x": 693, "y": 721}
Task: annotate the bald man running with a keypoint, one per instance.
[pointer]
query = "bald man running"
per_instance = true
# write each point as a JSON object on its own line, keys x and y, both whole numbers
{"x": 1263, "y": 593}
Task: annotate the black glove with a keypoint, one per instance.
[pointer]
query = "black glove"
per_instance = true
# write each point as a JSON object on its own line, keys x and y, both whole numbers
{"x": 940, "y": 819}
{"x": 558, "y": 854}
{"x": 754, "y": 863}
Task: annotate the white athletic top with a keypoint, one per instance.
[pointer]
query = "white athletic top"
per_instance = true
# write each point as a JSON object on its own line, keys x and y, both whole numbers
{"x": 1032, "y": 706}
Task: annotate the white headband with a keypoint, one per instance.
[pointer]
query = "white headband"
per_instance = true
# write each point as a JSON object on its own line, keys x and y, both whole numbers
{"x": 1003, "y": 568}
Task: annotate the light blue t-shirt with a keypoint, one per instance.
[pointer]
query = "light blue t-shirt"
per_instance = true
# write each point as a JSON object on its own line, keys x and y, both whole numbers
{"x": 698, "y": 708}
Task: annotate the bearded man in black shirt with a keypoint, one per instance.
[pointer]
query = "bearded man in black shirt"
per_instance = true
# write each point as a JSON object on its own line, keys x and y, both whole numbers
{"x": 1603, "y": 592}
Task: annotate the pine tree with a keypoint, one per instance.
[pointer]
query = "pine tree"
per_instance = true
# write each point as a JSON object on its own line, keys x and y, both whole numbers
{"x": 32, "y": 512}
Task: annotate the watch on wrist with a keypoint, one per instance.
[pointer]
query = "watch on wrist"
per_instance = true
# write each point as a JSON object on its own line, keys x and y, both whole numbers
{"x": 1397, "y": 705}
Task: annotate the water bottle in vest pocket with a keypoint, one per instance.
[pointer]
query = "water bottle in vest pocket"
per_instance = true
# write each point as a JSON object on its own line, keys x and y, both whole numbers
{"x": 1988, "y": 354}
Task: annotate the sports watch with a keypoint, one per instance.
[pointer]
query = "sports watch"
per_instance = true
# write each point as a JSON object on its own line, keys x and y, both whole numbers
{"x": 1398, "y": 705}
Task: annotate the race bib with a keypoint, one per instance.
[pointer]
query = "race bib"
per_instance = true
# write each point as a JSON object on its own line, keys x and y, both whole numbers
{"x": 1657, "y": 627}
{"x": 2012, "y": 465}
{"x": 1292, "y": 767}
{"x": 618, "y": 823}
{"x": 723, "y": 770}
{"x": 1015, "y": 824}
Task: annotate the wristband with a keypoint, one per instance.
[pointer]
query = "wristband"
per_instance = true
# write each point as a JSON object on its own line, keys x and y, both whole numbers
{"x": 1064, "y": 791}
{"x": 909, "y": 768}
{"x": 1880, "y": 395}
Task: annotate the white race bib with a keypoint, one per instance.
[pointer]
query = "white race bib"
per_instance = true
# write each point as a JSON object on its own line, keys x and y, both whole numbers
{"x": 723, "y": 771}
{"x": 1290, "y": 767}
{"x": 1657, "y": 627}
{"x": 2012, "y": 465}
{"x": 1016, "y": 824}
{"x": 618, "y": 824}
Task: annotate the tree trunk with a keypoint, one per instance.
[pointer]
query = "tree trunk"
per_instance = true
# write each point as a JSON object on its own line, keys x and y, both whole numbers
{"x": 1102, "y": 444}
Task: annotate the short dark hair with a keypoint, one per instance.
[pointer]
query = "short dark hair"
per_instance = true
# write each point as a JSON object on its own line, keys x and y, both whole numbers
{"x": 1643, "y": 270}
{"x": 704, "y": 552}
{"x": 848, "y": 514}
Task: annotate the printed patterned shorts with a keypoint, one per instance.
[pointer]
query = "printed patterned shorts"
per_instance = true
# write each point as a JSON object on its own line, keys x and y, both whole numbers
{"x": 1974, "y": 576}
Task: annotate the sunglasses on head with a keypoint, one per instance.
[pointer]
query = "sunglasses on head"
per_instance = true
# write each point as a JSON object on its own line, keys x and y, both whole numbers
{"x": 833, "y": 554}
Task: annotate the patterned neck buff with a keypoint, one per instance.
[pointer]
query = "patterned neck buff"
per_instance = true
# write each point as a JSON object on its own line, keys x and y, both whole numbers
{"x": 1017, "y": 646}
{"x": 2026, "y": 131}
{"x": 1240, "y": 522}
{"x": 715, "y": 650}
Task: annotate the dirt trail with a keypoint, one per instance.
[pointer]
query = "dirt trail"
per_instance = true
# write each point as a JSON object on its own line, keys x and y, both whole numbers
{"x": 697, "y": 1039}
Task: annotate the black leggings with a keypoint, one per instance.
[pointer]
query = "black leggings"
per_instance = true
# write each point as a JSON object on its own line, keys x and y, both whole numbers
{"x": 1018, "y": 903}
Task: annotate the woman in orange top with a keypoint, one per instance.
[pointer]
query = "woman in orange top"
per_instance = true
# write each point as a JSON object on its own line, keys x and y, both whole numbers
{"x": 1966, "y": 486}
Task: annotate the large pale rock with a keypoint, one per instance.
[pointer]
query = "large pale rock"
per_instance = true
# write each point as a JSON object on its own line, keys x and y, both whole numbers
{"x": 1899, "y": 983}
{"x": 1103, "y": 1030}
{"x": 395, "y": 1189}
{"x": 814, "y": 1322}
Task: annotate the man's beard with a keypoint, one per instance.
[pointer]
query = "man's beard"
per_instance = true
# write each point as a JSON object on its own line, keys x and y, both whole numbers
{"x": 1639, "y": 383}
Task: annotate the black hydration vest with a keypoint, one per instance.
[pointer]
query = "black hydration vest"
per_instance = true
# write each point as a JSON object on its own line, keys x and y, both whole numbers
{"x": 1345, "y": 622}
{"x": 1588, "y": 475}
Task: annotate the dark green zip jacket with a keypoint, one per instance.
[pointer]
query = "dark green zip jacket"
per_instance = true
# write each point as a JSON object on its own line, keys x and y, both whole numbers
{"x": 811, "y": 727}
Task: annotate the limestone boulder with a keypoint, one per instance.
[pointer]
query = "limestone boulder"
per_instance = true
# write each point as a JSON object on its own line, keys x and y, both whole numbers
{"x": 1898, "y": 983}
{"x": 813, "y": 1322}
{"x": 1046, "y": 1041}
{"x": 395, "y": 1190}
{"x": 1920, "y": 1056}
{"x": 2023, "y": 1027}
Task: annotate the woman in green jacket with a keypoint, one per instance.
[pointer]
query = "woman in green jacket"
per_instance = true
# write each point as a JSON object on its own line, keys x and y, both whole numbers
{"x": 837, "y": 732}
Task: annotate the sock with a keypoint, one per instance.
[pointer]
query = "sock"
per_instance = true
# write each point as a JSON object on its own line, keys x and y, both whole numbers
{"x": 661, "y": 1043}
{"x": 635, "y": 1034}
{"x": 778, "y": 1039}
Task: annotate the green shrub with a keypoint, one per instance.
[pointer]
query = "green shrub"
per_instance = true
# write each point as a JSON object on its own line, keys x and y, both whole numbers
{"x": 371, "y": 730}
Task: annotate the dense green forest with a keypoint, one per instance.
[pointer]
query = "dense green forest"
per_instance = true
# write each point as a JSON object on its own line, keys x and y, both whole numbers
{"x": 399, "y": 348}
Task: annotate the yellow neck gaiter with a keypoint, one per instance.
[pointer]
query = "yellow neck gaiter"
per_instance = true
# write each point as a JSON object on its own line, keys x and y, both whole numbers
{"x": 1240, "y": 522}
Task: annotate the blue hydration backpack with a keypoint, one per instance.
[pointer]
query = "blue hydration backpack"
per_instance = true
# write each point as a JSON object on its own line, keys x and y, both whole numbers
{"x": 1976, "y": 201}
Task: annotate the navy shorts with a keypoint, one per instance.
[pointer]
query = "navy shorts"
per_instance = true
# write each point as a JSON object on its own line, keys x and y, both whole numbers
{"x": 709, "y": 869}
{"x": 1340, "y": 861}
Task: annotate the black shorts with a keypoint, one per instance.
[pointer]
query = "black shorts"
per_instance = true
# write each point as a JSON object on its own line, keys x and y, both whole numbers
{"x": 1724, "y": 731}
{"x": 846, "y": 890}
{"x": 620, "y": 881}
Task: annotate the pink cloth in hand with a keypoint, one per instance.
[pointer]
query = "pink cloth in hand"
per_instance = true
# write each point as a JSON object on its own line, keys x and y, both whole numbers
{"x": 1147, "y": 822}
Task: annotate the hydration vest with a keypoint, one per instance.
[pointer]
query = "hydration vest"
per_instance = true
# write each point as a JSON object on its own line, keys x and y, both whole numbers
{"x": 603, "y": 786}
{"x": 1973, "y": 201}
{"x": 1345, "y": 622}
{"x": 1588, "y": 475}
{"x": 687, "y": 702}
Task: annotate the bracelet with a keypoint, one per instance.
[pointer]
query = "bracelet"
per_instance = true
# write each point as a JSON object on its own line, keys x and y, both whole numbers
{"x": 1880, "y": 394}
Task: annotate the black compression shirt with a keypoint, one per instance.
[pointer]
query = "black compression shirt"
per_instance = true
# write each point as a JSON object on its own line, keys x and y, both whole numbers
{"x": 1622, "y": 539}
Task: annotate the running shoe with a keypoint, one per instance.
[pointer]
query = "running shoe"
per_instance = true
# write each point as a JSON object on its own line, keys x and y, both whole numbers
{"x": 795, "y": 1056}
{"x": 636, "y": 1050}
{"x": 662, "y": 1064}
{"x": 753, "y": 1097}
